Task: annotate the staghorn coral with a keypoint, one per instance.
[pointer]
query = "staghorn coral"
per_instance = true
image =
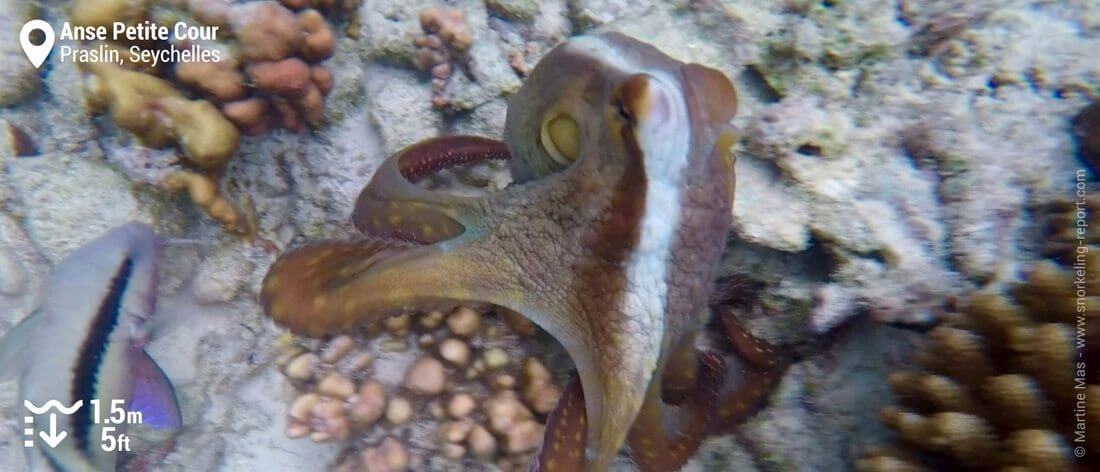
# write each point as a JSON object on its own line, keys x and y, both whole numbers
{"x": 424, "y": 388}
{"x": 442, "y": 47}
{"x": 1003, "y": 385}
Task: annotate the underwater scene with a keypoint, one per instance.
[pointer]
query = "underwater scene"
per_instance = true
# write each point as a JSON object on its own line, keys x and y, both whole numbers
{"x": 549, "y": 236}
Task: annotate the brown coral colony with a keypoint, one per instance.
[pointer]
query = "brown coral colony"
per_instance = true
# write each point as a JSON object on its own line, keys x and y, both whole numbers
{"x": 269, "y": 77}
{"x": 442, "y": 47}
{"x": 1000, "y": 386}
{"x": 276, "y": 82}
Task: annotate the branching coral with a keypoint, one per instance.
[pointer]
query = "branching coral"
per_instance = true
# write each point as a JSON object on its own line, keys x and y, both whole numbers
{"x": 1003, "y": 386}
{"x": 460, "y": 374}
{"x": 1066, "y": 224}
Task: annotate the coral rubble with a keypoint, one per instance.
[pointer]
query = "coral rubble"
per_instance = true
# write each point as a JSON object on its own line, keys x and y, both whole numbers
{"x": 456, "y": 388}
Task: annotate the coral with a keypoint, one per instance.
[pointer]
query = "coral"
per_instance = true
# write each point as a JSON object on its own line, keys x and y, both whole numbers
{"x": 279, "y": 51}
{"x": 107, "y": 12}
{"x": 442, "y": 47}
{"x": 1067, "y": 224}
{"x": 1002, "y": 381}
{"x": 338, "y": 8}
{"x": 265, "y": 31}
{"x": 160, "y": 116}
{"x": 373, "y": 387}
{"x": 220, "y": 81}
{"x": 262, "y": 73}
{"x": 204, "y": 191}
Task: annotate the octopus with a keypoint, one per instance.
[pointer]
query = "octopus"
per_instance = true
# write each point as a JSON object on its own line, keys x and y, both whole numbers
{"x": 609, "y": 238}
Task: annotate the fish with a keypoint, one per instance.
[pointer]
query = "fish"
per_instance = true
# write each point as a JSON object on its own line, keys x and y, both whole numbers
{"x": 85, "y": 344}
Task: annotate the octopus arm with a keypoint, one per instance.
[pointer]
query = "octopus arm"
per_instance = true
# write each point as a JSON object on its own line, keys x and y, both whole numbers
{"x": 566, "y": 434}
{"x": 393, "y": 206}
{"x": 664, "y": 437}
{"x": 332, "y": 285}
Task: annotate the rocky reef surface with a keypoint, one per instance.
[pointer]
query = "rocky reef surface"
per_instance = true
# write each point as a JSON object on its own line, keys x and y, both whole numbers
{"x": 891, "y": 154}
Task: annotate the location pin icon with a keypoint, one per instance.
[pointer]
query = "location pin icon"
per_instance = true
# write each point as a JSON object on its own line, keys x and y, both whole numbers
{"x": 37, "y": 54}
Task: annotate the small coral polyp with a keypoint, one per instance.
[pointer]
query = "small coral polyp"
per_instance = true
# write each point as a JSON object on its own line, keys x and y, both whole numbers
{"x": 420, "y": 388}
{"x": 267, "y": 75}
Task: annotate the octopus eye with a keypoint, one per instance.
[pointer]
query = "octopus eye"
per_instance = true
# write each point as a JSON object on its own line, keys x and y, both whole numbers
{"x": 624, "y": 114}
{"x": 561, "y": 138}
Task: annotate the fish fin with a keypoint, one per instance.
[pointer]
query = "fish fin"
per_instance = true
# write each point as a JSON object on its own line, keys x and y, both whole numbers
{"x": 12, "y": 346}
{"x": 566, "y": 434}
{"x": 152, "y": 394}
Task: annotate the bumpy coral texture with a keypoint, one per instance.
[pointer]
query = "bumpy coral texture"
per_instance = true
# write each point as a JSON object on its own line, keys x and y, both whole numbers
{"x": 441, "y": 47}
{"x": 1005, "y": 382}
{"x": 276, "y": 82}
{"x": 423, "y": 390}
{"x": 267, "y": 75}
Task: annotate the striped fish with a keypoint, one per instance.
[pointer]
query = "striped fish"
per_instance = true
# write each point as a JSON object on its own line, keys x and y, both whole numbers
{"x": 85, "y": 342}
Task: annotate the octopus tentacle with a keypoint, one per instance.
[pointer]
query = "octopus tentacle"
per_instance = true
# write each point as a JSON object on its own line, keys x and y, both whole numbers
{"x": 756, "y": 351}
{"x": 654, "y": 447}
{"x": 331, "y": 286}
{"x": 391, "y": 206}
{"x": 680, "y": 374}
{"x": 740, "y": 399}
{"x": 566, "y": 434}
{"x": 753, "y": 370}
